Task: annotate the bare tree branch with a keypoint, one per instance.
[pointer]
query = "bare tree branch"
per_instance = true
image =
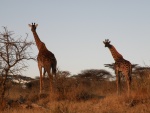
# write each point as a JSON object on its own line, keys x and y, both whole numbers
{"x": 13, "y": 53}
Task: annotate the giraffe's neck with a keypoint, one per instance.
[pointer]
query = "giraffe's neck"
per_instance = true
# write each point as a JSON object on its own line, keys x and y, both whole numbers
{"x": 39, "y": 43}
{"x": 116, "y": 55}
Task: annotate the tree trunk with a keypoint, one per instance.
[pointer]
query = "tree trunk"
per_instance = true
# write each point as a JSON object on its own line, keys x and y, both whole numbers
{"x": 3, "y": 89}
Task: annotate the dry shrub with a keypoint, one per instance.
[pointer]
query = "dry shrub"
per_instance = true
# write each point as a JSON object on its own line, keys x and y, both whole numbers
{"x": 141, "y": 87}
{"x": 61, "y": 108}
{"x": 70, "y": 94}
{"x": 71, "y": 89}
{"x": 104, "y": 87}
{"x": 23, "y": 110}
{"x": 79, "y": 93}
{"x": 140, "y": 91}
{"x": 33, "y": 97}
{"x": 77, "y": 89}
{"x": 3, "y": 105}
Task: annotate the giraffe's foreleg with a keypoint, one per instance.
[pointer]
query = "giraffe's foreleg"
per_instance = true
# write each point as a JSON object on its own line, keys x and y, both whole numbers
{"x": 41, "y": 78}
{"x": 128, "y": 79}
{"x": 118, "y": 81}
{"x": 128, "y": 84}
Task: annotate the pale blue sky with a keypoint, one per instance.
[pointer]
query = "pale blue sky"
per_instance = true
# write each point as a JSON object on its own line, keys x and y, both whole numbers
{"x": 75, "y": 29}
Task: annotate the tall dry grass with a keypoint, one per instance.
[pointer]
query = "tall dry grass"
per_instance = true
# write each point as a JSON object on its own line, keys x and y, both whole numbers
{"x": 82, "y": 96}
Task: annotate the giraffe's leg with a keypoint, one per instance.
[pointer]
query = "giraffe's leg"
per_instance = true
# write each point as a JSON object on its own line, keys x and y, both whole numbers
{"x": 41, "y": 78}
{"x": 128, "y": 79}
{"x": 50, "y": 78}
{"x": 128, "y": 84}
{"x": 54, "y": 70}
{"x": 118, "y": 81}
{"x": 44, "y": 71}
{"x": 116, "y": 72}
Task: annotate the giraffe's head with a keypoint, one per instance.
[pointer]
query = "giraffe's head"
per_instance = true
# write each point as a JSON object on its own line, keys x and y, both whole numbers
{"x": 107, "y": 43}
{"x": 33, "y": 26}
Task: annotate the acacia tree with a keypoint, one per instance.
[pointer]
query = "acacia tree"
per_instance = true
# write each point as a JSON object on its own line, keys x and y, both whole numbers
{"x": 13, "y": 53}
{"x": 111, "y": 66}
{"x": 95, "y": 74}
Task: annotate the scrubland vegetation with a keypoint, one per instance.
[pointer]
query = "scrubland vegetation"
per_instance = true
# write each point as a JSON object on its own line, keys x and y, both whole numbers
{"x": 78, "y": 94}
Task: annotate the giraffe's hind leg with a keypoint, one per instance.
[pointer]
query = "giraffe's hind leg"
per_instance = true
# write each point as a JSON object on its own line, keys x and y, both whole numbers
{"x": 50, "y": 77}
{"x": 54, "y": 70}
{"x": 44, "y": 72}
{"x": 128, "y": 80}
{"x": 118, "y": 82}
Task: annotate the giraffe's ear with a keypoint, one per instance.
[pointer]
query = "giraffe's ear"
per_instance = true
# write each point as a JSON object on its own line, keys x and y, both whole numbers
{"x": 29, "y": 25}
{"x": 36, "y": 25}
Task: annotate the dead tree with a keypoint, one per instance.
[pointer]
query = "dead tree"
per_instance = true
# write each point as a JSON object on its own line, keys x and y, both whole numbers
{"x": 13, "y": 55}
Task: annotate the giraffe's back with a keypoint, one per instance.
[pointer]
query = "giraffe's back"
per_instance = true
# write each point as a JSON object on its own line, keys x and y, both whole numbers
{"x": 123, "y": 65}
{"x": 46, "y": 57}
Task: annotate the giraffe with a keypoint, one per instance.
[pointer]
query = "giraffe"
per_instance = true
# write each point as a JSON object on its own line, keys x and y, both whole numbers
{"x": 45, "y": 58}
{"x": 121, "y": 66}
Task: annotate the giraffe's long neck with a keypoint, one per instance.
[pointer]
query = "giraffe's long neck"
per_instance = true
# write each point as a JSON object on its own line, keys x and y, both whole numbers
{"x": 39, "y": 43}
{"x": 116, "y": 55}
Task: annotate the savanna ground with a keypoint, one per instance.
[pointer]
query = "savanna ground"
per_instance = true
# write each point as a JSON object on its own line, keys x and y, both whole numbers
{"x": 78, "y": 96}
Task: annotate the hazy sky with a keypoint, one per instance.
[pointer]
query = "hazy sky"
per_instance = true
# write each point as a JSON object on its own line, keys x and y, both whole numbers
{"x": 74, "y": 30}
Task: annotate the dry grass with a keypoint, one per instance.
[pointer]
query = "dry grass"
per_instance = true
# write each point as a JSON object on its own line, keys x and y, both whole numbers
{"x": 81, "y": 96}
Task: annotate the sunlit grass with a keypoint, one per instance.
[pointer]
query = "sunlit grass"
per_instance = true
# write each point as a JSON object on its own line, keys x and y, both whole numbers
{"x": 78, "y": 96}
